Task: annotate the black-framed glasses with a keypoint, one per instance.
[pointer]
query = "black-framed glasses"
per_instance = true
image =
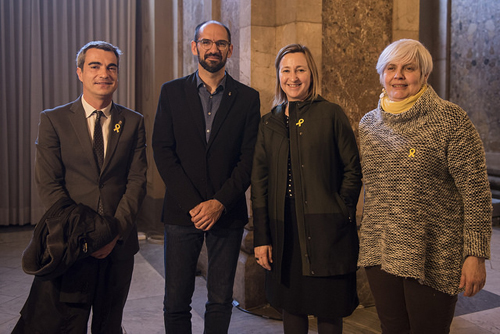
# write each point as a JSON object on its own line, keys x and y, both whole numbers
{"x": 207, "y": 44}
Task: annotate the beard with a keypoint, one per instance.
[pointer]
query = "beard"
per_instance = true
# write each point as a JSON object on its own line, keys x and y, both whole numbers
{"x": 210, "y": 66}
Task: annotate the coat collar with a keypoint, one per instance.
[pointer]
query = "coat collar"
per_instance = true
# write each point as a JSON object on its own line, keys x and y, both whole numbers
{"x": 275, "y": 120}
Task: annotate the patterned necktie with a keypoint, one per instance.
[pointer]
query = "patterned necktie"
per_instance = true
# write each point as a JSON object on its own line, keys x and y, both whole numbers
{"x": 99, "y": 150}
{"x": 98, "y": 140}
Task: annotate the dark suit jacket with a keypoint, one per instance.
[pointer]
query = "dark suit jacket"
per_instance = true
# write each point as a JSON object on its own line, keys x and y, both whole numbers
{"x": 194, "y": 170}
{"x": 65, "y": 166}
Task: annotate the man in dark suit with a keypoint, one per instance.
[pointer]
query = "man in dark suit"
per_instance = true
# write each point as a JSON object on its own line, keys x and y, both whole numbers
{"x": 203, "y": 141}
{"x": 110, "y": 179}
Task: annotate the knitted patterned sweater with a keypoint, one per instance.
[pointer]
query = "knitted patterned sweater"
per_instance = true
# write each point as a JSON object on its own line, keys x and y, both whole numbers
{"x": 427, "y": 196}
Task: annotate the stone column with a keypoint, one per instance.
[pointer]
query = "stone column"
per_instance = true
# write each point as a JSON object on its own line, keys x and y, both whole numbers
{"x": 354, "y": 34}
{"x": 434, "y": 34}
{"x": 154, "y": 66}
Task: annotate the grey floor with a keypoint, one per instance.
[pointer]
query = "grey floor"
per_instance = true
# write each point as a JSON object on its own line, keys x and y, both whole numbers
{"x": 143, "y": 311}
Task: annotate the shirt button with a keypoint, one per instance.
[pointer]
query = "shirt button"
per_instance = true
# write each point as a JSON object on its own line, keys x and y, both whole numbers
{"x": 209, "y": 113}
{"x": 208, "y": 131}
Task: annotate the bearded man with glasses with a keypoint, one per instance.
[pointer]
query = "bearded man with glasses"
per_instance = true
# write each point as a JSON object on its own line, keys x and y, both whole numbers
{"x": 203, "y": 142}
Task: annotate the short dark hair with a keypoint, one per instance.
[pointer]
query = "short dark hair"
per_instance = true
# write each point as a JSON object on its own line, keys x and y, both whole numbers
{"x": 101, "y": 45}
{"x": 198, "y": 27}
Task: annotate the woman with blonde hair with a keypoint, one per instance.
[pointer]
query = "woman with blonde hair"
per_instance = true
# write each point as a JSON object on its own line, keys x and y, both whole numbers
{"x": 305, "y": 185}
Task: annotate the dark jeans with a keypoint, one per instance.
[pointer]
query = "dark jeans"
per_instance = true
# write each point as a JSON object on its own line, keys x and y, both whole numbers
{"x": 182, "y": 249}
{"x": 406, "y": 306}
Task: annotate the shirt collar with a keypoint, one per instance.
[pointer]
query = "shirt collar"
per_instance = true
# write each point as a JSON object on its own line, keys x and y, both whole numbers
{"x": 220, "y": 87}
{"x": 89, "y": 109}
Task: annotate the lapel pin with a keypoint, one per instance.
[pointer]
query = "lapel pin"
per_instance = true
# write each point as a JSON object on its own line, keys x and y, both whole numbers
{"x": 117, "y": 127}
{"x": 299, "y": 123}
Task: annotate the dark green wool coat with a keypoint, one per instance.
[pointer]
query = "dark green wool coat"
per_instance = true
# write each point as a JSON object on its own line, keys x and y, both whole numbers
{"x": 327, "y": 181}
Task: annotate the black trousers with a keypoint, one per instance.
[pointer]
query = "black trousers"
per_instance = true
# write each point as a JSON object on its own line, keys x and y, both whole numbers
{"x": 62, "y": 305}
{"x": 406, "y": 306}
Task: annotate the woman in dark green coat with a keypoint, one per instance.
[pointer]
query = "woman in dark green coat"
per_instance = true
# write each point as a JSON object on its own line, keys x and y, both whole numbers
{"x": 306, "y": 180}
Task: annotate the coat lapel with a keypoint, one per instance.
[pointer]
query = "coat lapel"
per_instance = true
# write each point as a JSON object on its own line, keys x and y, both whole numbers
{"x": 230, "y": 93}
{"x": 80, "y": 125}
{"x": 116, "y": 128}
{"x": 195, "y": 109}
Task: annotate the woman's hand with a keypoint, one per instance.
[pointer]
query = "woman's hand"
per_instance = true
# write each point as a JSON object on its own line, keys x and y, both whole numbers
{"x": 263, "y": 256}
{"x": 473, "y": 275}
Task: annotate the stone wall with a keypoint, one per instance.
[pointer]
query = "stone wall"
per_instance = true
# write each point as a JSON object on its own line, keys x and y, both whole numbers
{"x": 270, "y": 26}
{"x": 475, "y": 66}
{"x": 475, "y": 74}
{"x": 231, "y": 14}
{"x": 193, "y": 12}
{"x": 354, "y": 34}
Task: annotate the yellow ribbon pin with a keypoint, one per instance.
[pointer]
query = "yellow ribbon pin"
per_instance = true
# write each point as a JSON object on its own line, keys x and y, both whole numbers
{"x": 412, "y": 153}
{"x": 117, "y": 127}
{"x": 299, "y": 123}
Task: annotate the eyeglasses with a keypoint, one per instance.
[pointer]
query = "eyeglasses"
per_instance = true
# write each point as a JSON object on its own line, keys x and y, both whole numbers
{"x": 207, "y": 44}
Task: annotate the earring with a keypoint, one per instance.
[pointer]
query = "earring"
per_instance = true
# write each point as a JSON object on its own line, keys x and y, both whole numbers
{"x": 384, "y": 93}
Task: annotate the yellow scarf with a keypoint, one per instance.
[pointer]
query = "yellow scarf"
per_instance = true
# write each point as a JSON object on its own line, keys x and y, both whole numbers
{"x": 398, "y": 107}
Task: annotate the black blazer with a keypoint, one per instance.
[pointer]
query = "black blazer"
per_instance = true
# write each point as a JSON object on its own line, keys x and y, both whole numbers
{"x": 194, "y": 170}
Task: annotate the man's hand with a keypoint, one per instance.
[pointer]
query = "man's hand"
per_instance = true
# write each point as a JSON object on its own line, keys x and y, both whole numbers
{"x": 106, "y": 250}
{"x": 206, "y": 214}
{"x": 264, "y": 256}
{"x": 473, "y": 275}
